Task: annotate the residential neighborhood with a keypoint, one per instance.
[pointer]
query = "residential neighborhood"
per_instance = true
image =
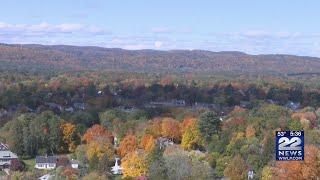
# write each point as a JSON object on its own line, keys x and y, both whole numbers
{"x": 140, "y": 131}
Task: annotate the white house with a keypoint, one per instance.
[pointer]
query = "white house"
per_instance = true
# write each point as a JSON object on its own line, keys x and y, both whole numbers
{"x": 116, "y": 169}
{"x": 74, "y": 164}
{"x": 6, "y": 156}
{"x": 250, "y": 174}
{"x": 46, "y": 162}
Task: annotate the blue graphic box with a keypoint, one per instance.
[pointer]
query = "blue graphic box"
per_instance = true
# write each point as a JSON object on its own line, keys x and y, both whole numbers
{"x": 289, "y": 145}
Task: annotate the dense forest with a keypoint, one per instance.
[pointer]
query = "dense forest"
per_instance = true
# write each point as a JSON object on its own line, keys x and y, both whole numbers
{"x": 160, "y": 126}
{"x": 40, "y": 58}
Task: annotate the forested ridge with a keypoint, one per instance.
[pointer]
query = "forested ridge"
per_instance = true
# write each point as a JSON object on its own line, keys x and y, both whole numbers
{"x": 43, "y": 58}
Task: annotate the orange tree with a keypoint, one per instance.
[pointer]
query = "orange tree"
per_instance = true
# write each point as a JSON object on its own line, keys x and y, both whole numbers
{"x": 148, "y": 143}
{"x": 128, "y": 144}
{"x": 97, "y": 131}
{"x": 171, "y": 129}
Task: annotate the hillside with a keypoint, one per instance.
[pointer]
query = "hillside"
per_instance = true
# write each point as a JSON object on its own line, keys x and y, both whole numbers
{"x": 61, "y": 57}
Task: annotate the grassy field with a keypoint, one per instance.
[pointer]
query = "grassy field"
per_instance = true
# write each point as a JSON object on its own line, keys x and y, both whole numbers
{"x": 30, "y": 163}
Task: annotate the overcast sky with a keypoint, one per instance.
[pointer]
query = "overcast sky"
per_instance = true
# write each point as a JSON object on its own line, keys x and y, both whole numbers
{"x": 251, "y": 26}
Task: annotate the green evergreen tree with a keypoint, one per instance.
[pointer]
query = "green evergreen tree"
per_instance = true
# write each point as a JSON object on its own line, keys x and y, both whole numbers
{"x": 209, "y": 124}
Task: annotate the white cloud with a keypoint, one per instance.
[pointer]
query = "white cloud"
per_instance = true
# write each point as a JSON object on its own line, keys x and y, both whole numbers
{"x": 252, "y": 41}
{"x": 46, "y": 28}
{"x": 265, "y": 34}
{"x": 71, "y": 27}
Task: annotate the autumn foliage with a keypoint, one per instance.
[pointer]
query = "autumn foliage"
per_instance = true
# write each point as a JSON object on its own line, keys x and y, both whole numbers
{"x": 307, "y": 169}
{"x": 186, "y": 123}
{"x": 191, "y": 137}
{"x": 97, "y": 131}
{"x": 250, "y": 131}
{"x": 127, "y": 145}
{"x": 99, "y": 142}
{"x": 148, "y": 143}
{"x": 171, "y": 129}
{"x": 135, "y": 164}
{"x": 99, "y": 148}
{"x": 306, "y": 116}
{"x": 154, "y": 127}
{"x": 69, "y": 135}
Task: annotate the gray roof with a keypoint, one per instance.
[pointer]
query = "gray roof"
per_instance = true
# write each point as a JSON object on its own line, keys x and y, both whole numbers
{"x": 7, "y": 155}
{"x": 3, "y": 147}
{"x": 74, "y": 161}
{"x": 46, "y": 159}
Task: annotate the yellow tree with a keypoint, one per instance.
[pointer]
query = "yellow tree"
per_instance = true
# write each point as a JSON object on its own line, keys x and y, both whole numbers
{"x": 128, "y": 144}
{"x": 192, "y": 138}
{"x": 69, "y": 135}
{"x": 100, "y": 148}
{"x": 266, "y": 173}
{"x": 135, "y": 164}
{"x": 187, "y": 122}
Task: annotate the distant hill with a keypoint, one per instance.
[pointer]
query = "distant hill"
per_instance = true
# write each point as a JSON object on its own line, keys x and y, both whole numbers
{"x": 72, "y": 58}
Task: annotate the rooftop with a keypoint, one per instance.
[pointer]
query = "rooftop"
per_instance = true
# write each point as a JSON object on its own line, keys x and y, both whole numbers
{"x": 7, "y": 155}
{"x": 3, "y": 147}
{"x": 46, "y": 159}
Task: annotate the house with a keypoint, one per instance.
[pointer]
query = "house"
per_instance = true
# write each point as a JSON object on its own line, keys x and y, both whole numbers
{"x": 54, "y": 107}
{"x": 3, "y": 147}
{"x": 79, "y": 106}
{"x": 178, "y": 102}
{"x": 172, "y": 103}
{"x": 116, "y": 169}
{"x": 6, "y": 156}
{"x": 115, "y": 142}
{"x": 52, "y": 162}
{"x": 245, "y": 104}
{"x": 74, "y": 164}
{"x": 69, "y": 109}
{"x": 292, "y": 105}
{"x": 198, "y": 105}
{"x": 46, "y": 162}
{"x": 250, "y": 174}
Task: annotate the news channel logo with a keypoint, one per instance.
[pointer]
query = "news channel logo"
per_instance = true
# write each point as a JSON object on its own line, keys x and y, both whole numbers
{"x": 290, "y": 145}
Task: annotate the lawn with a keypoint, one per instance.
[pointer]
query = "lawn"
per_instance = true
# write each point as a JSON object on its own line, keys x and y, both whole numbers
{"x": 30, "y": 163}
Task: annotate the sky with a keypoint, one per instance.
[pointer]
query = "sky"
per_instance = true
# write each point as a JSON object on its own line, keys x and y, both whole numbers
{"x": 251, "y": 26}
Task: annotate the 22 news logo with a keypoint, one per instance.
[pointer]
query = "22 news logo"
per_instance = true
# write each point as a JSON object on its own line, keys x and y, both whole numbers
{"x": 290, "y": 145}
